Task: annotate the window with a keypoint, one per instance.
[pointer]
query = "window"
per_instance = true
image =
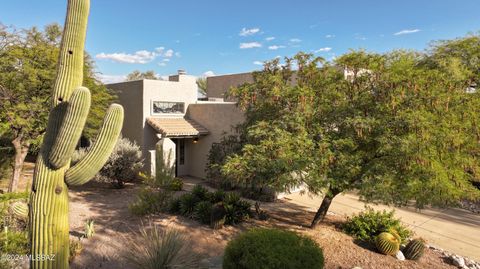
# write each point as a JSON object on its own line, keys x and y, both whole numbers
{"x": 160, "y": 107}
{"x": 181, "y": 159}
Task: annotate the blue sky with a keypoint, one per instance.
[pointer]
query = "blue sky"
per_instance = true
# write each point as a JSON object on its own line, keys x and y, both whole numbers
{"x": 236, "y": 36}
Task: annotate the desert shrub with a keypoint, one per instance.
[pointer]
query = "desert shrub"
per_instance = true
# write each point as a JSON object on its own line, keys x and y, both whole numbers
{"x": 217, "y": 196}
{"x": 122, "y": 166}
{"x": 236, "y": 209}
{"x": 200, "y": 192}
{"x": 15, "y": 242}
{"x": 161, "y": 249}
{"x": 203, "y": 211}
{"x": 75, "y": 248}
{"x": 188, "y": 201}
{"x": 272, "y": 249}
{"x": 175, "y": 184}
{"x": 174, "y": 205}
{"x": 149, "y": 201}
{"x": 369, "y": 223}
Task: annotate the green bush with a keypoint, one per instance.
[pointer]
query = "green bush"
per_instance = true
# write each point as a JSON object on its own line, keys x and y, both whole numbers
{"x": 236, "y": 209}
{"x": 369, "y": 223}
{"x": 188, "y": 201}
{"x": 217, "y": 196}
{"x": 149, "y": 201}
{"x": 272, "y": 249}
{"x": 14, "y": 242}
{"x": 175, "y": 184}
{"x": 161, "y": 249}
{"x": 174, "y": 206}
{"x": 200, "y": 192}
{"x": 203, "y": 211}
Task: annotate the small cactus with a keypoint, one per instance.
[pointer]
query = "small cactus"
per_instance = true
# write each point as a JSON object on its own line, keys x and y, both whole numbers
{"x": 89, "y": 229}
{"x": 414, "y": 249}
{"x": 217, "y": 218}
{"x": 19, "y": 210}
{"x": 387, "y": 243}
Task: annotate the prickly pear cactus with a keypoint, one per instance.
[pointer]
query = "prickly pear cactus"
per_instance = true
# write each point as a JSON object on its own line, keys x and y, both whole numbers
{"x": 414, "y": 249}
{"x": 49, "y": 230}
{"x": 387, "y": 244}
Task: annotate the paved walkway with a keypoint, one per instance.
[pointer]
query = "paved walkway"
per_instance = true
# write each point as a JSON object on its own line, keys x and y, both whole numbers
{"x": 455, "y": 230}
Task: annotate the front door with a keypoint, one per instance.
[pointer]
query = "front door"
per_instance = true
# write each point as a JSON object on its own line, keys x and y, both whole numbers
{"x": 181, "y": 160}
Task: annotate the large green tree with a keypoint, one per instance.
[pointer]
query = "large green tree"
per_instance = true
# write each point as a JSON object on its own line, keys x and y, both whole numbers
{"x": 28, "y": 59}
{"x": 398, "y": 127}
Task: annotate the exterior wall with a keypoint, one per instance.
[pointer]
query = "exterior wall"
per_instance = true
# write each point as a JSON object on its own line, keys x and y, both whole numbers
{"x": 217, "y": 86}
{"x": 180, "y": 88}
{"x": 130, "y": 97}
{"x": 218, "y": 118}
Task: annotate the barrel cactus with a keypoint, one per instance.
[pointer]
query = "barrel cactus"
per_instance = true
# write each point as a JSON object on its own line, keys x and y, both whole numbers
{"x": 19, "y": 210}
{"x": 414, "y": 249}
{"x": 387, "y": 243}
{"x": 70, "y": 103}
{"x": 395, "y": 233}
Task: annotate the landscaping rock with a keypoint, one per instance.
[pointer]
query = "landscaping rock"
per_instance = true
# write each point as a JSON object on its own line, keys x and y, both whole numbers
{"x": 458, "y": 261}
{"x": 357, "y": 267}
{"x": 400, "y": 256}
{"x": 212, "y": 262}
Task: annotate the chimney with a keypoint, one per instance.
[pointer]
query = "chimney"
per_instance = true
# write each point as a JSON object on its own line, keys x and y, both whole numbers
{"x": 182, "y": 72}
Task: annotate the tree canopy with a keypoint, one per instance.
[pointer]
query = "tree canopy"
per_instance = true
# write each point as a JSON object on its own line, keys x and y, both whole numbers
{"x": 398, "y": 127}
{"x": 28, "y": 59}
{"x": 137, "y": 75}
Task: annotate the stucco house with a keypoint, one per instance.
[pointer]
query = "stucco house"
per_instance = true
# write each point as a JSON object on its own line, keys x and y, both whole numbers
{"x": 168, "y": 114}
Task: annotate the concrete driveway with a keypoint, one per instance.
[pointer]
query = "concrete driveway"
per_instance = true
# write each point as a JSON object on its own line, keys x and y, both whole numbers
{"x": 452, "y": 229}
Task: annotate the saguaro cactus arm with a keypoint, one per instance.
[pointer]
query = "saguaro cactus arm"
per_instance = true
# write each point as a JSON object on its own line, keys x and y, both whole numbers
{"x": 93, "y": 161}
{"x": 71, "y": 128}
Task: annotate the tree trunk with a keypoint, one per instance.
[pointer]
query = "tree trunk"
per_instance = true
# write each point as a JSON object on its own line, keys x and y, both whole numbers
{"x": 21, "y": 150}
{"x": 326, "y": 202}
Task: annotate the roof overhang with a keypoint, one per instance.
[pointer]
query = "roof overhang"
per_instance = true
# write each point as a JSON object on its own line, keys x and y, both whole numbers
{"x": 175, "y": 127}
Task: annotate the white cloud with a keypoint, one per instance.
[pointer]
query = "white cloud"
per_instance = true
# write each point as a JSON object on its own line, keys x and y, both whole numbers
{"x": 247, "y": 32}
{"x": 329, "y": 36}
{"x": 250, "y": 45}
{"x": 166, "y": 60}
{"x": 275, "y": 47}
{"x": 168, "y": 53}
{"x": 295, "y": 40}
{"x": 177, "y": 54}
{"x": 208, "y": 73}
{"x": 258, "y": 63}
{"x": 270, "y": 38}
{"x": 106, "y": 79}
{"x": 407, "y": 31}
{"x": 138, "y": 57}
{"x": 162, "y": 64}
{"x": 326, "y": 49}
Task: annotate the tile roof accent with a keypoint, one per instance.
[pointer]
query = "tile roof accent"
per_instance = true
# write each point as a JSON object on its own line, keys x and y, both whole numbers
{"x": 172, "y": 127}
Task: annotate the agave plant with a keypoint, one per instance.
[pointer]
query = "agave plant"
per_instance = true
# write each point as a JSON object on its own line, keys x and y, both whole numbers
{"x": 161, "y": 249}
{"x": 89, "y": 229}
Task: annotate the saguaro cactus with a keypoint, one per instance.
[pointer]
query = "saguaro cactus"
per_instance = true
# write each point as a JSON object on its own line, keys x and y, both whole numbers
{"x": 49, "y": 229}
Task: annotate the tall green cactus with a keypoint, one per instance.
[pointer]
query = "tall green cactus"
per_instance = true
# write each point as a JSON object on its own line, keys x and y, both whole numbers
{"x": 49, "y": 230}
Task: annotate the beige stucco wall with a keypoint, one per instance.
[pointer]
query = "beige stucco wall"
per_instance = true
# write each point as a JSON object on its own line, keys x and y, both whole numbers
{"x": 136, "y": 98}
{"x": 217, "y": 86}
{"x": 130, "y": 97}
{"x": 217, "y": 118}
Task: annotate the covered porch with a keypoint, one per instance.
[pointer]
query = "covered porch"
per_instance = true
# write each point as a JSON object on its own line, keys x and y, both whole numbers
{"x": 177, "y": 137}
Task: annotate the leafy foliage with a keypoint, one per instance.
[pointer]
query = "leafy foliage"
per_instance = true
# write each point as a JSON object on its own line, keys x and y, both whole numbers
{"x": 188, "y": 201}
{"x": 272, "y": 248}
{"x": 122, "y": 166}
{"x": 149, "y": 201}
{"x": 203, "y": 211}
{"x": 400, "y": 126}
{"x": 161, "y": 249}
{"x": 369, "y": 223}
{"x": 137, "y": 75}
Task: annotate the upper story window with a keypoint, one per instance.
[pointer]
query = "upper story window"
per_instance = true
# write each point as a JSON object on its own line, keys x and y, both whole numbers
{"x": 160, "y": 107}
